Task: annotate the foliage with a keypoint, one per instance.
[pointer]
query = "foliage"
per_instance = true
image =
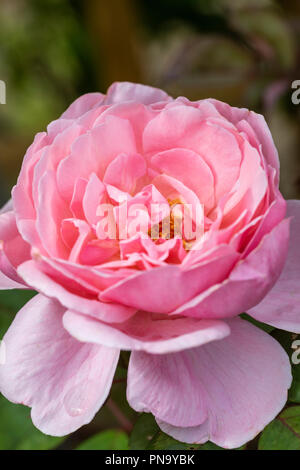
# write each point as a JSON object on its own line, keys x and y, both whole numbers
{"x": 107, "y": 440}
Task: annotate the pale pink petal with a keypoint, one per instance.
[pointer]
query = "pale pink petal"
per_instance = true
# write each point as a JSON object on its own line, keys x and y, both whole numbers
{"x": 144, "y": 332}
{"x": 6, "y": 283}
{"x": 189, "y": 168}
{"x": 183, "y": 126}
{"x": 226, "y": 391}
{"x": 99, "y": 147}
{"x": 7, "y": 207}
{"x": 280, "y": 307}
{"x": 126, "y": 91}
{"x": 64, "y": 382}
{"x": 83, "y": 104}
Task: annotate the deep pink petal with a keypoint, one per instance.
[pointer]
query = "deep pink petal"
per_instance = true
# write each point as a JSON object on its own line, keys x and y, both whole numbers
{"x": 183, "y": 126}
{"x": 99, "y": 147}
{"x": 126, "y": 91}
{"x": 247, "y": 283}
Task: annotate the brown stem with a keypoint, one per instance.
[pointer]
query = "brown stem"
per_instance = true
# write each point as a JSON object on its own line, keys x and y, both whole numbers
{"x": 119, "y": 415}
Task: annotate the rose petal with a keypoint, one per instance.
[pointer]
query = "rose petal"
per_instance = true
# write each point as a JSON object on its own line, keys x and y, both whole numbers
{"x": 280, "y": 307}
{"x": 226, "y": 391}
{"x": 13, "y": 251}
{"x": 83, "y": 104}
{"x": 64, "y": 382}
{"x": 37, "y": 279}
{"x": 126, "y": 91}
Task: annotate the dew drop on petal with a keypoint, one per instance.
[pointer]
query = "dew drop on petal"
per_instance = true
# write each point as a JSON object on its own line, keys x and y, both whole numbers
{"x": 80, "y": 397}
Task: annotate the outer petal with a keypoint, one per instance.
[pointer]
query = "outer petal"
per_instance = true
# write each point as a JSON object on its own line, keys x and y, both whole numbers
{"x": 64, "y": 381}
{"x": 7, "y": 207}
{"x": 144, "y": 332}
{"x": 45, "y": 284}
{"x": 248, "y": 282}
{"x": 226, "y": 391}
{"x": 13, "y": 251}
{"x": 126, "y": 91}
{"x": 280, "y": 307}
{"x": 83, "y": 104}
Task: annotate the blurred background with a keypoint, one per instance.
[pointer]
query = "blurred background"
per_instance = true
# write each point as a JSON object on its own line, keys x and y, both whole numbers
{"x": 244, "y": 52}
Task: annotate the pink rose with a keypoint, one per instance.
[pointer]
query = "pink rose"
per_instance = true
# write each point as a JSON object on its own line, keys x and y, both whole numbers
{"x": 200, "y": 369}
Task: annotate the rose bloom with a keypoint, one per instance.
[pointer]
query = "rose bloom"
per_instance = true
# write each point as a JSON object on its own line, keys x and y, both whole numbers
{"x": 200, "y": 369}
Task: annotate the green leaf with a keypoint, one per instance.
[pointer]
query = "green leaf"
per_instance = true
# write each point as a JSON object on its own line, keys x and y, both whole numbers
{"x": 17, "y": 431}
{"x": 10, "y": 302}
{"x": 260, "y": 325}
{"x": 162, "y": 441}
{"x": 106, "y": 440}
{"x": 147, "y": 435}
{"x": 286, "y": 339}
{"x": 283, "y": 433}
{"x": 210, "y": 446}
{"x": 143, "y": 432}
